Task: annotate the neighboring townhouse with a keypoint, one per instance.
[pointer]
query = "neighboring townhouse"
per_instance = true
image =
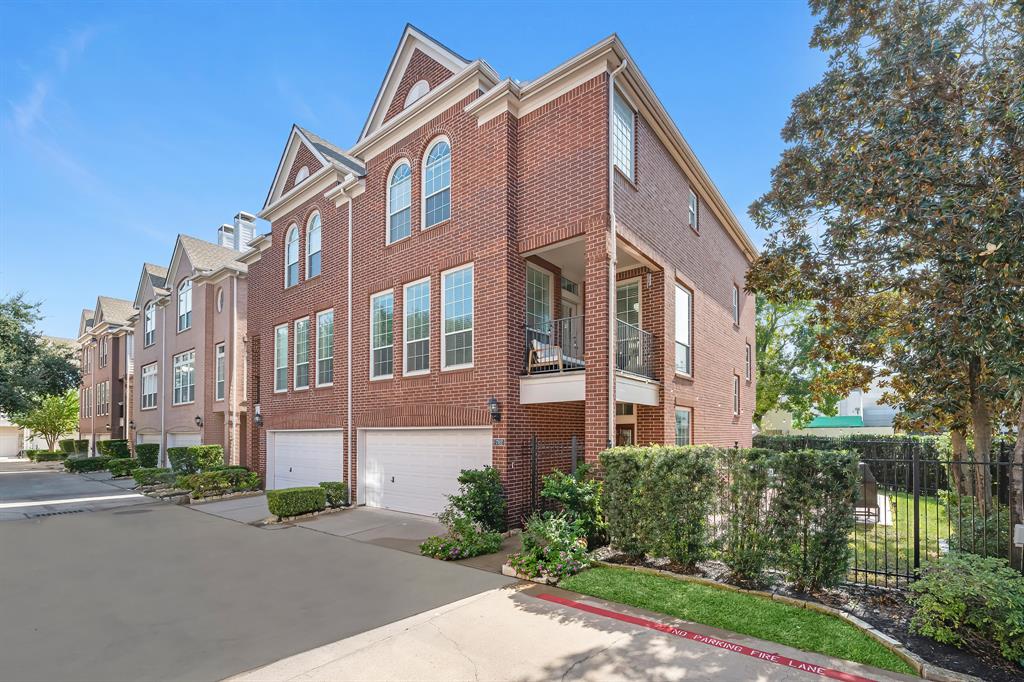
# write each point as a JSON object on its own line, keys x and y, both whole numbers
{"x": 191, "y": 320}
{"x": 105, "y": 340}
{"x": 496, "y": 270}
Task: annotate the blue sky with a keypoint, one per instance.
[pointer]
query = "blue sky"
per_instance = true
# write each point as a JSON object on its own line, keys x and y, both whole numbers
{"x": 123, "y": 124}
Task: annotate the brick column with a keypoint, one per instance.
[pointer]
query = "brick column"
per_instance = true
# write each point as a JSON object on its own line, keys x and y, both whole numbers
{"x": 597, "y": 330}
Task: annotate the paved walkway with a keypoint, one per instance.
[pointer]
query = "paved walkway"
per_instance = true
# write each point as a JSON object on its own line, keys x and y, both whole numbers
{"x": 37, "y": 490}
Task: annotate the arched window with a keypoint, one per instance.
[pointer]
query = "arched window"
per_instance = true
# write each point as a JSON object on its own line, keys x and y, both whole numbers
{"x": 437, "y": 184}
{"x": 399, "y": 202}
{"x": 418, "y": 90}
{"x": 302, "y": 174}
{"x": 184, "y": 305}
{"x": 313, "y": 246}
{"x": 291, "y": 257}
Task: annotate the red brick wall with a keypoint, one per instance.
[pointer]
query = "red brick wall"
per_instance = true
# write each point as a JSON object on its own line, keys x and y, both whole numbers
{"x": 303, "y": 157}
{"x": 421, "y": 67}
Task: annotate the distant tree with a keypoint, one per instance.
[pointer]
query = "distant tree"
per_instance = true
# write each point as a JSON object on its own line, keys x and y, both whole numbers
{"x": 55, "y": 416}
{"x": 30, "y": 367}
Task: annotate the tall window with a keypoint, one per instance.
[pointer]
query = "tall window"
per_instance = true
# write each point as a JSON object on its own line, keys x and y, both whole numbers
{"x": 399, "y": 203}
{"x": 220, "y": 371}
{"x": 291, "y": 257}
{"x": 382, "y": 317}
{"x": 313, "y": 246}
{"x": 457, "y": 318}
{"x": 104, "y": 356}
{"x": 280, "y": 358}
{"x": 735, "y": 304}
{"x": 682, "y": 426}
{"x": 694, "y": 212}
{"x": 325, "y": 348}
{"x": 683, "y": 316}
{"x": 735, "y": 394}
{"x": 748, "y": 372}
{"x": 149, "y": 325}
{"x": 437, "y": 184}
{"x": 185, "y": 377}
{"x": 538, "y": 299}
{"x": 88, "y": 402}
{"x": 185, "y": 305}
{"x": 627, "y": 303}
{"x": 149, "y": 386}
{"x": 103, "y": 398}
{"x": 623, "y": 132}
{"x": 417, "y": 327}
{"x": 301, "y": 378}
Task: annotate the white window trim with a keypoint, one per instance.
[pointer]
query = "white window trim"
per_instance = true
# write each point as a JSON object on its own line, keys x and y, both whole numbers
{"x": 445, "y": 367}
{"x": 142, "y": 388}
{"x": 629, "y": 173}
{"x": 316, "y": 336}
{"x": 295, "y": 357}
{"x": 405, "y": 328}
{"x": 387, "y": 201}
{"x": 148, "y": 340}
{"x": 736, "y": 403}
{"x": 220, "y": 353}
{"x": 735, "y": 304}
{"x": 277, "y": 328}
{"x": 181, "y": 290}
{"x": 301, "y": 175}
{"x": 690, "y": 327}
{"x": 689, "y": 423}
{"x": 309, "y": 225}
{"x": 551, "y": 289}
{"x": 382, "y": 377}
{"x": 298, "y": 256}
{"x": 423, "y": 181}
{"x": 749, "y": 366}
{"x": 174, "y": 367}
{"x": 639, "y": 297}
{"x": 695, "y": 203}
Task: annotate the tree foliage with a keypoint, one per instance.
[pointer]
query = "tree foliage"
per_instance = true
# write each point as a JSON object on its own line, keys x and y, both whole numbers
{"x": 55, "y": 416}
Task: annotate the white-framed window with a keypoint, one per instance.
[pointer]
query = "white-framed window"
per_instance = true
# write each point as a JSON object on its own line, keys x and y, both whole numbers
{"x": 694, "y": 212}
{"x": 325, "y": 348}
{"x": 684, "y": 316}
{"x": 184, "y": 378}
{"x": 88, "y": 402}
{"x": 149, "y": 325}
{"x": 735, "y": 394}
{"x": 420, "y": 88}
{"x": 538, "y": 299}
{"x": 291, "y": 256}
{"x": 683, "y": 426}
{"x": 437, "y": 183}
{"x": 749, "y": 368}
{"x": 219, "y": 372}
{"x": 185, "y": 305}
{"x": 301, "y": 346}
{"x": 101, "y": 398}
{"x": 382, "y": 350}
{"x": 313, "y": 246}
{"x": 457, "y": 318}
{"x": 301, "y": 175}
{"x": 220, "y": 299}
{"x": 104, "y": 355}
{"x": 735, "y": 304}
{"x": 623, "y": 135}
{"x": 281, "y": 358}
{"x": 149, "y": 386}
{"x": 399, "y": 197}
{"x": 416, "y": 306}
{"x": 627, "y": 303}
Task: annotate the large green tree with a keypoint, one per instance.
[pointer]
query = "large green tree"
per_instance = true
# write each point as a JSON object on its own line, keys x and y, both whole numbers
{"x": 30, "y": 367}
{"x": 898, "y": 208}
{"x": 55, "y": 416}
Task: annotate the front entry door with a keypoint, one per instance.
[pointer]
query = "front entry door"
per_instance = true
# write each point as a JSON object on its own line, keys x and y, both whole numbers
{"x": 625, "y": 434}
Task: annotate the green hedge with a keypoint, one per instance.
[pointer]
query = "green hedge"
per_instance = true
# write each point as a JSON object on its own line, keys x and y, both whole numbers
{"x": 80, "y": 464}
{"x": 195, "y": 458}
{"x": 149, "y": 475}
{"x": 114, "y": 448}
{"x": 148, "y": 454}
{"x": 45, "y": 455}
{"x": 336, "y": 493}
{"x": 122, "y": 466}
{"x": 67, "y": 445}
{"x": 219, "y": 481}
{"x": 296, "y": 501}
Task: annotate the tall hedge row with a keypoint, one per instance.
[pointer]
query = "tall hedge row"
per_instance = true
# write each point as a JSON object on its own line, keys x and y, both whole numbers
{"x": 195, "y": 458}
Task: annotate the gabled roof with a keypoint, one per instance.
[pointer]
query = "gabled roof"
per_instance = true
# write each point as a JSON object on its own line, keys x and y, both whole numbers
{"x": 412, "y": 39}
{"x": 204, "y": 256}
{"x": 156, "y": 277}
{"x": 113, "y": 310}
{"x": 327, "y": 153}
{"x": 86, "y": 320}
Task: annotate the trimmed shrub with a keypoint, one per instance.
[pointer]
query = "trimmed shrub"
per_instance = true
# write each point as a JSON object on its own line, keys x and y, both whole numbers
{"x": 121, "y": 466}
{"x": 296, "y": 501}
{"x": 481, "y": 498}
{"x": 195, "y": 458}
{"x": 149, "y": 475}
{"x": 746, "y": 542}
{"x": 967, "y": 600}
{"x": 336, "y": 492}
{"x": 219, "y": 481}
{"x": 553, "y": 547}
{"x": 463, "y": 540}
{"x": 579, "y": 496}
{"x": 622, "y": 495}
{"x": 82, "y": 446}
{"x": 44, "y": 455}
{"x": 67, "y": 445}
{"x": 78, "y": 465}
{"x": 179, "y": 460}
{"x": 148, "y": 454}
{"x": 114, "y": 448}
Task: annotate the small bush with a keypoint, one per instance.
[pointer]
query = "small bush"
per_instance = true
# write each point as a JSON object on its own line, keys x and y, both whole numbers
{"x": 45, "y": 455}
{"x": 120, "y": 466}
{"x": 114, "y": 448}
{"x": 149, "y": 475}
{"x": 464, "y": 540}
{"x": 336, "y": 492}
{"x": 481, "y": 498}
{"x": 67, "y": 446}
{"x": 296, "y": 501}
{"x": 579, "y": 496}
{"x": 622, "y": 497}
{"x": 148, "y": 454}
{"x": 77, "y": 465}
{"x": 553, "y": 547}
{"x": 966, "y": 599}
{"x": 218, "y": 481}
{"x": 195, "y": 458}
{"x": 977, "y": 533}
{"x": 747, "y": 540}
{"x": 80, "y": 447}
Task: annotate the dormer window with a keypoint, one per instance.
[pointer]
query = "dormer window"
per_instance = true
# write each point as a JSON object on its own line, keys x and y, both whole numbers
{"x": 418, "y": 90}
{"x": 185, "y": 305}
{"x": 437, "y": 184}
{"x": 291, "y": 257}
{"x": 302, "y": 174}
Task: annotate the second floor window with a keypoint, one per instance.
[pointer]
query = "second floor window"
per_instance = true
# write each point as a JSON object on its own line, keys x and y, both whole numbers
{"x": 184, "y": 378}
{"x": 735, "y": 304}
{"x": 750, "y": 363}
{"x": 281, "y": 358}
{"x": 694, "y": 212}
{"x": 684, "y": 313}
{"x": 325, "y": 348}
{"x": 291, "y": 257}
{"x": 149, "y": 325}
{"x": 735, "y": 394}
{"x": 185, "y": 305}
{"x": 104, "y": 356}
{"x": 457, "y": 318}
{"x": 301, "y": 344}
{"x": 382, "y": 317}
{"x": 399, "y": 203}
{"x": 149, "y": 386}
{"x": 417, "y": 327}
{"x": 313, "y": 246}
{"x": 627, "y": 303}
{"x": 623, "y": 133}
{"x": 220, "y": 372}
{"x": 437, "y": 184}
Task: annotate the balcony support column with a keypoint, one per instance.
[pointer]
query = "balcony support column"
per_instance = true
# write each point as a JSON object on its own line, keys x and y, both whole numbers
{"x": 600, "y": 387}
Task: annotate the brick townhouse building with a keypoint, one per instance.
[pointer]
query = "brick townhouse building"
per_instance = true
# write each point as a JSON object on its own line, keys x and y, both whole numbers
{"x": 190, "y": 322}
{"x": 493, "y": 262}
{"x": 105, "y": 342}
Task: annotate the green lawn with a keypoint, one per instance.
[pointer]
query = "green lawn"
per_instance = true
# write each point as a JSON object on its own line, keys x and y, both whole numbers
{"x": 876, "y": 546}
{"x": 743, "y": 613}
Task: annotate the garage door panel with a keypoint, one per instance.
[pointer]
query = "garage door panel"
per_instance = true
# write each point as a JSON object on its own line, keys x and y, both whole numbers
{"x": 303, "y": 458}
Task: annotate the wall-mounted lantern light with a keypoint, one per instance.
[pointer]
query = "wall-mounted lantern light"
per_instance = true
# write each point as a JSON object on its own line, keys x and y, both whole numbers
{"x": 494, "y": 409}
{"x": 199, "y": 421}
{"x": 131, "y": 424}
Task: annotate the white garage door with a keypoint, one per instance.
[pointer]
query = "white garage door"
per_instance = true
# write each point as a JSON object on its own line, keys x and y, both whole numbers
{"x": 148, "y": 438}
{"x": 299, "y": 458}
{"x": 413, "y": 470}
{"x": 10, "y": 441}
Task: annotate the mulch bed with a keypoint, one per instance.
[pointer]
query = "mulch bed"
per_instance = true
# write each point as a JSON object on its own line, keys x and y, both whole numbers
{"x": 885, "y": 609}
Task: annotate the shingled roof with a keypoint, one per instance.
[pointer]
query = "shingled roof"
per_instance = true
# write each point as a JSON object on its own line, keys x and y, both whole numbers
{"x": 204, "y": 255}
{"x": 333, "y": 152}
{"x": 157, "y": 275}
{"x": 115, "y": 310}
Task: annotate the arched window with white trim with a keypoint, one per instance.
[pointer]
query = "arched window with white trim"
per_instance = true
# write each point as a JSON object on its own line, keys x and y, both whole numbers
{"x": 302, "y": 174}
{"x": 399, "y": 202}
{"x": 185, "y": 305}
{"x": 437, "y": 183}
{"x": 313, "y": 246}
{"x": 291, "y": 257}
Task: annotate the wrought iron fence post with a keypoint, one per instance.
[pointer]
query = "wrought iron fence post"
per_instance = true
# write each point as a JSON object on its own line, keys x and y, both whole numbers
{"x": 533, "y": 474}
{"x": 916, "y": 473}
{"x": 574, "y": 454}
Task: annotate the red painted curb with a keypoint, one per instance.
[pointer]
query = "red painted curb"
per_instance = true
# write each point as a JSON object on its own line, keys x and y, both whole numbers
{"x": 778, "y": 659}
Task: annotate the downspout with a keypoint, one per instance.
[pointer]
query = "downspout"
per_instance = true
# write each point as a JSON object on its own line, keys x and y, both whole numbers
{"x": 161, "y": 385}
{"x": 347, "y": 455}
{"x": 613, "y": 265}
{"x": 129, "y": 367}
{"x": 232, "y": 425}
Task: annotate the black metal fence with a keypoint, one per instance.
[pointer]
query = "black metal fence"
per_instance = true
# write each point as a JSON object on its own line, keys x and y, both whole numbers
{"x": 546, "y": 457}
{"x": 555, "y": 346}
{"x": 634, "y": 350}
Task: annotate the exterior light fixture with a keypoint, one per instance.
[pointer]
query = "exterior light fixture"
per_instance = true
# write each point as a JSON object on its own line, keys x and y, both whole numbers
{"x": 199, "y": 421}
{"x": 494, "y": 409}
{"x": 257, "y": 419}
{"x": 131, "y": 424}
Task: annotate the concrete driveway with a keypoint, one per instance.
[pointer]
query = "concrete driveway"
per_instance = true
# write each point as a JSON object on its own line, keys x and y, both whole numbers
{"x": 33, "y": 490}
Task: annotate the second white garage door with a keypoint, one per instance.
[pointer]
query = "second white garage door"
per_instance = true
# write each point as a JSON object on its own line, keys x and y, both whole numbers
{"x": 413, "y": 470}
{"x": 299, "y": 458}
{"x": 10, "y": 441}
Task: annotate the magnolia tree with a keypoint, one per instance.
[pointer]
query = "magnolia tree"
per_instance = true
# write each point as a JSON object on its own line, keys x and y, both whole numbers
{"x": 56, "y": 415}
{"x": 898, "y": 209}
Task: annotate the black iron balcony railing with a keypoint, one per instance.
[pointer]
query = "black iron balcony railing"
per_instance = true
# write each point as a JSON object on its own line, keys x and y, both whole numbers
{"x": 634, "y": 350}
{"x": 555, "y": 346}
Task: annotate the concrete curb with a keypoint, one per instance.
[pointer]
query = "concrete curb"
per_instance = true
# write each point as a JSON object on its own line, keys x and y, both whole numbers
{"x": 280, "y": 521}
{"x": 926, "y": 670}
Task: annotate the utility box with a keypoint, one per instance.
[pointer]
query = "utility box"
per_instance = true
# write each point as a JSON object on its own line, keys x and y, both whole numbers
{"x": 1018, "y": 534}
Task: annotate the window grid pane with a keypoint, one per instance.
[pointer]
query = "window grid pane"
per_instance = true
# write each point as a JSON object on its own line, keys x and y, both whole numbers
{"x": 302, "y": 354}
{"x": 538, "y": 299}
{"x": 325, "y": 348}
{"x": 458, "y": 317}
{"x": 313, "y": 247}
{"x": 683, "y": 314}
{"x": 400, "y": 207}
{"x": 292, "y": 257}
{"x": 437, "y": 182}
{"x": 184, "y": 378}
{"x": 417, "y": 327}
{"x": 682, "y": 426}
{"x": 219, "y": 386}
{"x": 382, "y": 335}
{"x": 627, "y": 304}
{"x": 281, "y": 358}
{"x": 623, "y": 136}
{"x": 149, "y": 386}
